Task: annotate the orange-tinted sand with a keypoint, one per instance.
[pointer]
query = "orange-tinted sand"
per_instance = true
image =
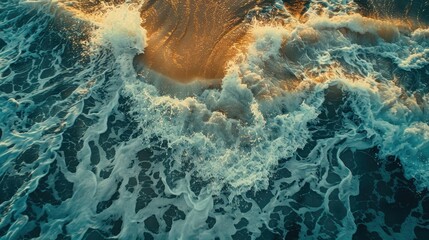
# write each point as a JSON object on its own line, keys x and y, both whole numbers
{"x": 194, "y": 39}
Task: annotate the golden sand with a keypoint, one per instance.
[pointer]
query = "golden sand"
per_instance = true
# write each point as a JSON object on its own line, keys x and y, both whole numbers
{"x": 194, "y": 39}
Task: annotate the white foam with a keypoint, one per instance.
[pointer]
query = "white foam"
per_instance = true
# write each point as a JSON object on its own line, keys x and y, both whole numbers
{"x": 120, "y": 28}
{"x": 357, "y": 23}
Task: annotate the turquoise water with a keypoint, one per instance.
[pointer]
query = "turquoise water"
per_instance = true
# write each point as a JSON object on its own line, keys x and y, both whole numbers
{"x": 319, "y": 131}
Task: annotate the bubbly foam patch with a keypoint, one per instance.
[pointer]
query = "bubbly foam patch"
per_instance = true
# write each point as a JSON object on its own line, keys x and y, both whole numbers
{"x": 120, "y": 28}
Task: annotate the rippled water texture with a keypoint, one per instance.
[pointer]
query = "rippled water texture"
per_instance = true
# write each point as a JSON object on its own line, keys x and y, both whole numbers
{"x": 214, "y": 119}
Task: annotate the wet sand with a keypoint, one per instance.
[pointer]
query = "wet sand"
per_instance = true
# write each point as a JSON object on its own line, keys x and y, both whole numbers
{"x": 192, "y": 39}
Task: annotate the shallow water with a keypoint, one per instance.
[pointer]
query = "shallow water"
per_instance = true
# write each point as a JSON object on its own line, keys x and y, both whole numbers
{"x": 319, "y": 129}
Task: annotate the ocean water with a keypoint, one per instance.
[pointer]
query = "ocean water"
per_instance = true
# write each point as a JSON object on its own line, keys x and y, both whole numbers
{"x": 319, "y": 130}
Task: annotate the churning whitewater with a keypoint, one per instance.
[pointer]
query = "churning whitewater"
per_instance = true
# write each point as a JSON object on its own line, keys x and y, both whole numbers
{"x": 317, "y": 128}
